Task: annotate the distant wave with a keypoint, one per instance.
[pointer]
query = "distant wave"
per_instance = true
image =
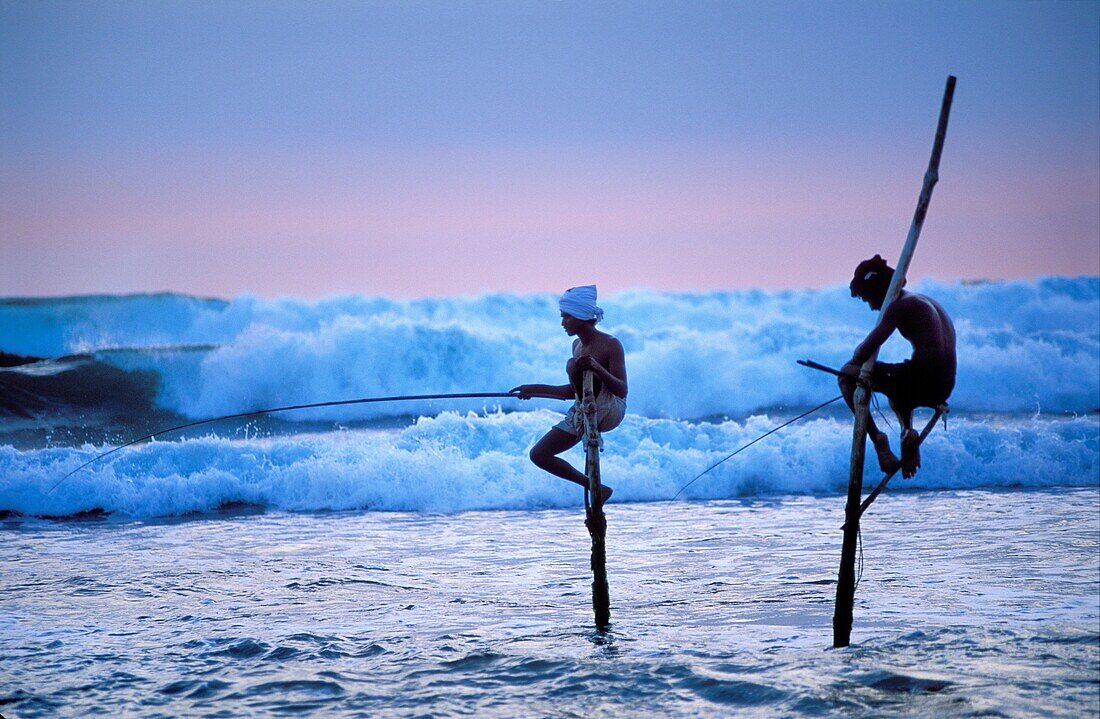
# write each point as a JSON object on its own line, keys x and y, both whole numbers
{"x": 75, "y": 385}
{"x": 1026, "y": 346}
{"x": 457, "y": 462}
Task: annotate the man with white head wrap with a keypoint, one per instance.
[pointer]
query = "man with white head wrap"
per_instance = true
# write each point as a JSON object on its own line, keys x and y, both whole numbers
{"x": 580, "y": 302}
{"x": 592, "y": 350}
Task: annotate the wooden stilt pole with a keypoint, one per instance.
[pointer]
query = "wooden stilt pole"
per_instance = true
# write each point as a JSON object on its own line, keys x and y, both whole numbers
{"x": 846, "y": 577}
{"x": 594, "y": 517}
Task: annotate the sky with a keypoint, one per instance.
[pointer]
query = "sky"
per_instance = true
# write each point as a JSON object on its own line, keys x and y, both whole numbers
{"x": 438, "y": 148}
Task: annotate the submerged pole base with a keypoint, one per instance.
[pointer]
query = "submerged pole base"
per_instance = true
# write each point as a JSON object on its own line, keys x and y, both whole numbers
{"x": 846, "y": 587}
{"x": 601, "y": 600}
{"x": 593, "y": 510}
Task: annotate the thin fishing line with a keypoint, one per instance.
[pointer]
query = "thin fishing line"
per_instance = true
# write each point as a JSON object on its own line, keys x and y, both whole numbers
{"x": 256, "y": 413}
{"x": 881, "y": 414}
{"x": 771, "y": 431}
{"x": 859, "y": 574}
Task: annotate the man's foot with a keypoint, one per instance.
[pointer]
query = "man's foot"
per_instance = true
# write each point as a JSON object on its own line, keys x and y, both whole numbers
{"x": 887, "y": 462}
{"x": 910, "y": 449}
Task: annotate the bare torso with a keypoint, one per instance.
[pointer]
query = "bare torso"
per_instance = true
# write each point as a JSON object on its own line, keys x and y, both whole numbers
{"x": 923, "y": 322}
{"x": 601, "y": 347}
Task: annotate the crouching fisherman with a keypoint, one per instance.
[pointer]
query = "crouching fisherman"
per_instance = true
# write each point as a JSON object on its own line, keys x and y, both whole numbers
{"x": 926, "y": 379}
{"x": 592, "y": 350}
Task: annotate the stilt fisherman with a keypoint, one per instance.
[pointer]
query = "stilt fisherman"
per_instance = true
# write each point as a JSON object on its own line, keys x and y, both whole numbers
{"x": 592, "y": 350}
{"x": 926, "y": 379}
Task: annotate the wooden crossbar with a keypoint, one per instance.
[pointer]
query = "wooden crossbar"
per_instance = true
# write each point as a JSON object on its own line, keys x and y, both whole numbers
{"x": 940, "y": 411}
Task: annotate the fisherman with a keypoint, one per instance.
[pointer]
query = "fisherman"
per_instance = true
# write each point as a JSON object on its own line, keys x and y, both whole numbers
{"x": 924, "y": 380}
{"x": 592, "y": 350}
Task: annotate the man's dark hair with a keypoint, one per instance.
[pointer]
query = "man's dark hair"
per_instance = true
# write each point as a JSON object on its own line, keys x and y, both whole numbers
{"x": 871, "y": 279}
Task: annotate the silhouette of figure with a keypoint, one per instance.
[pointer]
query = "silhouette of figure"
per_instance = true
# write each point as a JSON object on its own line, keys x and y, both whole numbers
{"x": 926, "y": 379}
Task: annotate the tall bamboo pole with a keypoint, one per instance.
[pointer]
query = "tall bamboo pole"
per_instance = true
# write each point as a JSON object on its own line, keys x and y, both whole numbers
{"x": 846, "y": 577}
{"x": 594, "y": 516}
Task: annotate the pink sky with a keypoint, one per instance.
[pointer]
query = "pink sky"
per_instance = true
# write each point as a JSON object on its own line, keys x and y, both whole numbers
{"x": 419, "y": 222}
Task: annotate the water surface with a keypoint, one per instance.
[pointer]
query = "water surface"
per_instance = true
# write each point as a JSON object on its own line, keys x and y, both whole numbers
{"x": 971, "y": 604}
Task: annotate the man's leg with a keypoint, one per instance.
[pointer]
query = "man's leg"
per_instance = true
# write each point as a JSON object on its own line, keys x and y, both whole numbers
{"x": 904, "y": 413}
{"x": 910, "y": 438}
{"x": 545, "y": 456}
{"x": 887, "y": 462}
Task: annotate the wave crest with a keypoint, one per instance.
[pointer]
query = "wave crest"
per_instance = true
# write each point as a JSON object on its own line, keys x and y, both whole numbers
{"x": 1023, "y": 346}
{"x": 457, "y": 462}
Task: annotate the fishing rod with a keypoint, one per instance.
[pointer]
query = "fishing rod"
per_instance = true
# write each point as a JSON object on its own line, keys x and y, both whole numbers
{"x": 818, "y": 366}
{"x": 829, "y": 370}
{"x": 769, "y": 432}
{"x": 255, "y": 413}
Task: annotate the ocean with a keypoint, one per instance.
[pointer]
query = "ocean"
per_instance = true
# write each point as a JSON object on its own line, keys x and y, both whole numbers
{"x": 407, "y": 559}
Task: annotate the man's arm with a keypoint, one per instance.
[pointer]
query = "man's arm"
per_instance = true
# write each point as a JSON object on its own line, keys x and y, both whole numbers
{"x": 546, "y": 391}
{"x": 877, "y": 337}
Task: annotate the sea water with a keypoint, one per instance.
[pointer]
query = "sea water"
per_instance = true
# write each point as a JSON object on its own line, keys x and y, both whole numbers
{"x": 971, "y": 604}
{"x": 408, "y": 560}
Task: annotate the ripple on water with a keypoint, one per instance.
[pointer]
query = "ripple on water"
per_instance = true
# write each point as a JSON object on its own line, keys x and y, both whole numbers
{"x": 304, "y": 688}
{"x": 310, "y": 638}
{"x": 29, "y": 704}
{"x": 733, "y": 692}
{"x": 327, "y": 582}
{"x": 195, "y": 688}
{"x": 239, "y": 648}
{"x": 291, "y": 696}
{"x": 903, "y": 683}
{"x": 370, "y": 650}
{"x": 472, "y": 662}
{"x": 281, "y": 653}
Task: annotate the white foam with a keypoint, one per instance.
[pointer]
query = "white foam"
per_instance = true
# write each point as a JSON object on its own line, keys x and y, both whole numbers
{"x": 457, "y": 462}
{"x": 1024, "y": 346}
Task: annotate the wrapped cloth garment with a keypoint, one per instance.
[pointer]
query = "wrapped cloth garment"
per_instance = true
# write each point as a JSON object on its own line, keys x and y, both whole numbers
{"x": 610, "y": 410}
{"x": 580, "y": 302}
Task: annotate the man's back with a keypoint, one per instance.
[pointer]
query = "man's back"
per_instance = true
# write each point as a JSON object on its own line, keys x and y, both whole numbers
{"x": 927, "y": 326}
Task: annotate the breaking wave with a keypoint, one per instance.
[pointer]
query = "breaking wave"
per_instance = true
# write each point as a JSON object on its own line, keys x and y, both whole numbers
{"x": 457, "y": 462}
{"x": 1026, "y": 346}
{"x": 708, "y": 372}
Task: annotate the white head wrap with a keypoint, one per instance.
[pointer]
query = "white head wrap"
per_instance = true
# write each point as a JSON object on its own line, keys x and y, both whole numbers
{"x": 580, "y": 302}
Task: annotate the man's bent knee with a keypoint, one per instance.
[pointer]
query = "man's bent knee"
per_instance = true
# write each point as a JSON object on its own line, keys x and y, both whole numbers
{"x": 536, "y": 456}
{"x": 541, "y": 456}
